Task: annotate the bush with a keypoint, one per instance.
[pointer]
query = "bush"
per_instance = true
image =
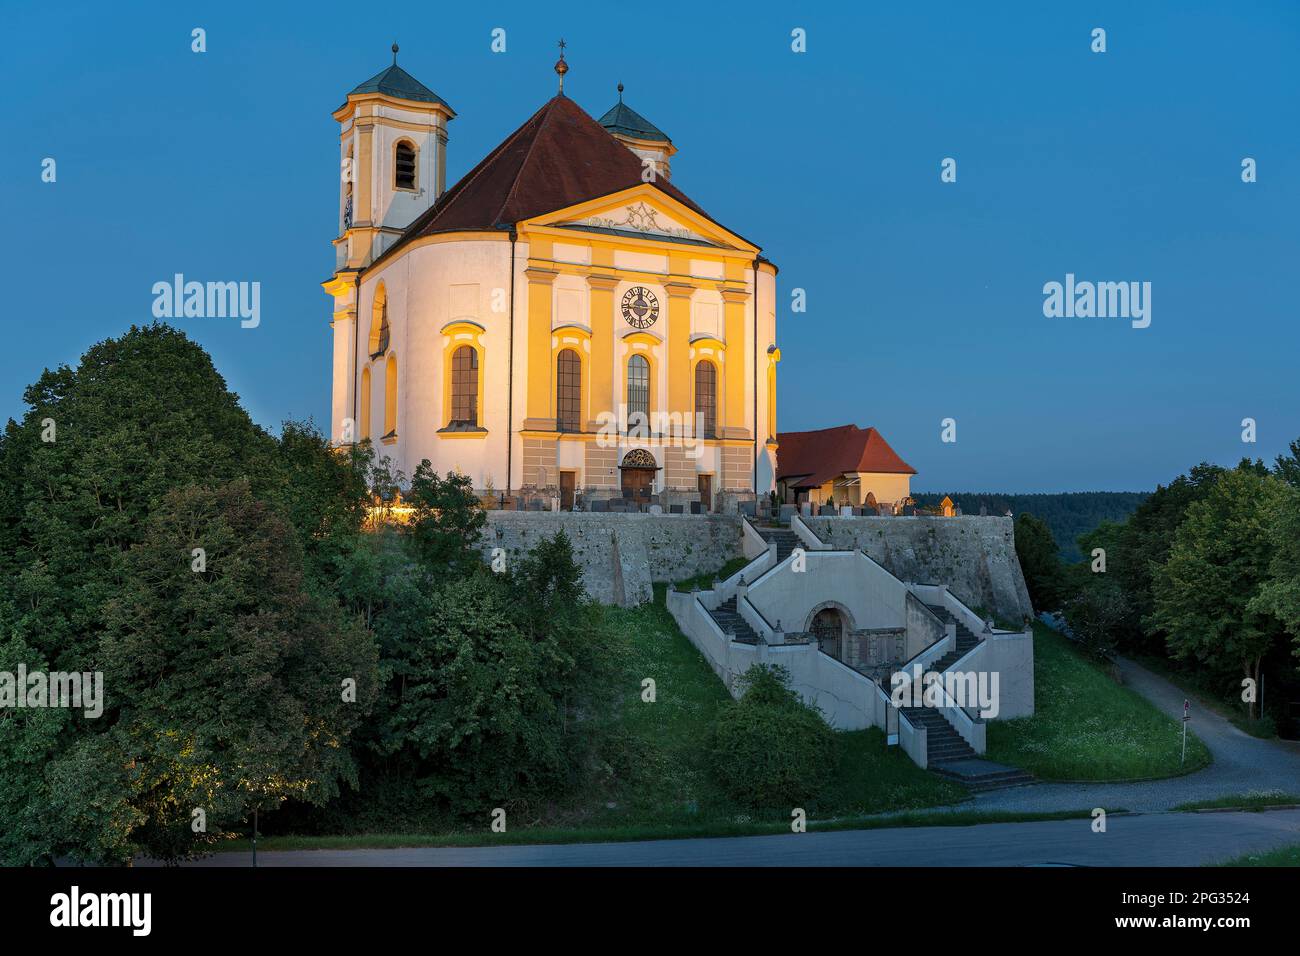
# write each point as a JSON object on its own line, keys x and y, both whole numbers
{"x": 770, "y": 749}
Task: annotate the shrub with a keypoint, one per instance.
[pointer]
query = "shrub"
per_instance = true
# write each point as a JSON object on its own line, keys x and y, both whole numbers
{"x": 770, "y": 749}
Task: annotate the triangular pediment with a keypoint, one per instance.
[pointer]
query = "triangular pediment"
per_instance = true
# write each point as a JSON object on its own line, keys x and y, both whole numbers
{"x": 647, "y": 213}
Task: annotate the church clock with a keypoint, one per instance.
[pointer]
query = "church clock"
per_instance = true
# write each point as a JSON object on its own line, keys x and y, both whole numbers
{"x": 640, "y": 307}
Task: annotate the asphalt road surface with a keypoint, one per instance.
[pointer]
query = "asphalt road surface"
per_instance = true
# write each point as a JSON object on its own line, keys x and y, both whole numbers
{"x": 1154, "y": 839}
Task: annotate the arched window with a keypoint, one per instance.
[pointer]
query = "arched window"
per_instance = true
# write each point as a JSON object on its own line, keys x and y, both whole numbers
{"x": 379, "y": 329}
{"x": 638, "y": 392}
{"x": 390, "y": 396}
{"x": 404, "y": 166}
{"x": 568, "y": 386}
{"x": 464, "y": 387}
{"x": 365, "y": 404}
{"x": 706, "y": 399}
{"x": 348, "y": 175}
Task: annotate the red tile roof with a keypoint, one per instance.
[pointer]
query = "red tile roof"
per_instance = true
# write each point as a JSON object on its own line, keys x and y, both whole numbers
{"x": 810, "y": 459}
{"x": 560, "y": 157}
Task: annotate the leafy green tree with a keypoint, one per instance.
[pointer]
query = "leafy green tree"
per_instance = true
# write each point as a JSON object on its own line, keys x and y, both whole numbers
{"x": 492, "y": 682}
{"x": 233, "y": 687}
{"x": 322, "y": 491}
{"x": 140, "y": 415}
{"x": 1040, "y": 561}
{"x": 1143, "y": 545}
{"x": 770, "y": 749}
{"x": 447, "y": 520}
{"x": 1095, "y": 614}
{"x": 1287, "y": 467}
{"x": 1280, "y": 593}
{"x": 1206, "y": 593}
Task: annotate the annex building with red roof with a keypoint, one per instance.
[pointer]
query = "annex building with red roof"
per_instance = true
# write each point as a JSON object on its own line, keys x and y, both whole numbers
{"x": 846, "y": 465}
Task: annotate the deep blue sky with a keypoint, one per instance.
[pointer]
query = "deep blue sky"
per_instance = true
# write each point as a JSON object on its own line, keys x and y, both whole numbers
{"x": 924, "y": 299}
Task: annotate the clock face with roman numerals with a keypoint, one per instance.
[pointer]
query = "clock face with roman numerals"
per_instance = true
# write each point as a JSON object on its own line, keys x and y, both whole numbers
{"x": 640, "y": 307}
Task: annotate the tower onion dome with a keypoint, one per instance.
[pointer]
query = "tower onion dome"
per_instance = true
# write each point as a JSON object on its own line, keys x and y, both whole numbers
{"x": 395, "y": 82}
{"x": 623, "y": 121}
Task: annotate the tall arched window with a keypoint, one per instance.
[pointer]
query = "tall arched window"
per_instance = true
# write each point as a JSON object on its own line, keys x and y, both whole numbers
{"x": 390, "y": 396}
{"x": 404, "y": 166}
{"x": 706, "y": 399}
{"x": 568, "y": 386}
{"x": 365, "y": 404}
{"x": 638, "y": 392}
{"x": 464, "y": 387}
{"x": 379, "y": 329}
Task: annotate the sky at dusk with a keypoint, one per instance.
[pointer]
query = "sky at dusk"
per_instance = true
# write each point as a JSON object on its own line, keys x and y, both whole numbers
{"x": 924, "y": 298}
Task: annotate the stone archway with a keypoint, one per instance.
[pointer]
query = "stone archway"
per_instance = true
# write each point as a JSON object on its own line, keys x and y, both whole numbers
{"x": 830, "y": 623}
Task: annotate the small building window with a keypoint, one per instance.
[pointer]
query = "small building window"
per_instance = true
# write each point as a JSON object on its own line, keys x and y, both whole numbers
{"x": 404, "y": 166}
{"x": 568, "y": 377}
{"x": 638, "y": 393}
{"x": 464, "y": 387}
{"x": 706, "y": 399}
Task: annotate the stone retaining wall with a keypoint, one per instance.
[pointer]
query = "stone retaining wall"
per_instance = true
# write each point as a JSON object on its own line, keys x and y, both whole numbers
{"x": 974, "y": 555}
{"x": 623, "y": 555}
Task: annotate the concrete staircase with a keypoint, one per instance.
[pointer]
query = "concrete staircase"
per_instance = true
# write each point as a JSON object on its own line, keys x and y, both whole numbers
{"x": 786, "y": 541}
{"x": 948, "y": 754}
{"x": 729, "y": 621}
{"x": 966, "y": 639}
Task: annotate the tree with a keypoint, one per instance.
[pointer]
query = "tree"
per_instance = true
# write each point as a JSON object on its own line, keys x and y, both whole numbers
{"x": 1095, "y": 614}
{"x": 448, "y": 518}
{"x": 139, "y": 416}
{"x": 770, "y": 749}
{"x": 1280, "y": 593}
{"x": 1287, "y": 467}
{"x": 321, "y": 490}
{"x": 233, "y": 687}
{"x": 1143, "y": 545}
{"x": 1205, "y": 593}
{"x": 1040, "y": 561}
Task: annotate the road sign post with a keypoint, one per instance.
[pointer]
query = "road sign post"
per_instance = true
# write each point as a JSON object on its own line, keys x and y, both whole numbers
{"x": 1186, "y": 717}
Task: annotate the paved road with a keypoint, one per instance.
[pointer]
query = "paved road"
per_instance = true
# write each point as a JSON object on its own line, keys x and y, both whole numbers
{"x": 1242, "y": 764}
{"x": 1157, "y": 839}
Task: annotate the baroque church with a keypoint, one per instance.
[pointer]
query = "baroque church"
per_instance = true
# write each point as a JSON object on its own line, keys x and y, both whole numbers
{"x": 563, "y": 322}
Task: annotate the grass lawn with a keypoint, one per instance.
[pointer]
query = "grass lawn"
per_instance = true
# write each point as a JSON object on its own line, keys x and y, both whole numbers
{"x": 668, "y": 782}
{"x": 1256, "y": 799}
{"x": 1088, "y": 727}
{"x": 1283, "y": 856}
{"x": 533, "y": 836}
{"x": 705, "y": 581}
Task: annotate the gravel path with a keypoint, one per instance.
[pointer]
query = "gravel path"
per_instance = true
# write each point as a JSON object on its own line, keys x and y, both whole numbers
{"x": 1242, "y": 764}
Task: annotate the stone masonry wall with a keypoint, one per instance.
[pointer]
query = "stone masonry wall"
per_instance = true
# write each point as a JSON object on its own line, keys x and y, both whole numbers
{"x": 622, "y": 555}
{"x": 974, "y": 555}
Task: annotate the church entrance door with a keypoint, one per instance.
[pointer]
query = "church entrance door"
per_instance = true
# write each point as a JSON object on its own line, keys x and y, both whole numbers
{"x": 638, "y": 471}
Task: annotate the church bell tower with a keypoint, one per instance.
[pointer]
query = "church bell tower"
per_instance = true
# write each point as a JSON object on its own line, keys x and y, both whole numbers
{"x": 392, "y": 161}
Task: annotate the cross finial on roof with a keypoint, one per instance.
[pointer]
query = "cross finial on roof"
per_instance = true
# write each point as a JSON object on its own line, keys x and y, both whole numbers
{"x": 560, "y": 66}
{"x": 620, "y": 92}
{"x": 394, "y": 53}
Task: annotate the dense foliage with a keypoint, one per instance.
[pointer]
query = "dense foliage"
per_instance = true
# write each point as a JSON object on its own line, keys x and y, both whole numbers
{"x": 259, "y": 649}
{"x": 1040, "y": 561}
{"x": 770, "y": 749}
{"x": 1205, "y": 575}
